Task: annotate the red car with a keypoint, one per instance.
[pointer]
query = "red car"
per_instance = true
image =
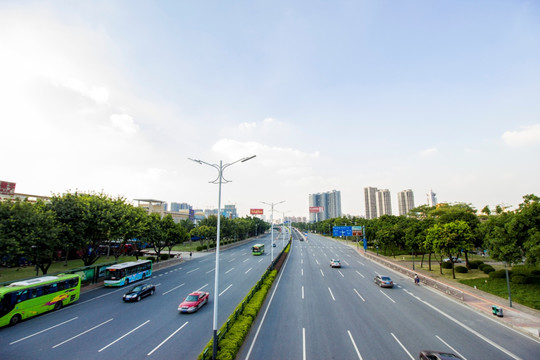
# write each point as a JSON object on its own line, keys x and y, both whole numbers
{"x": 193, "y": 302}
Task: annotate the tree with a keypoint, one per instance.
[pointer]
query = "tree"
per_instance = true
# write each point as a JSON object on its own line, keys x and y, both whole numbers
{"x": 449, "y": 239}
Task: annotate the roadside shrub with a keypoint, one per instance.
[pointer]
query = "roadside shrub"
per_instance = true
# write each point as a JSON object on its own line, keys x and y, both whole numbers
{"x": 461, "y": 269}
{"x": 475, "y": 264}
{"x": 164, "y": 257}
{"x": 536, "y": 272}
{"x": 446, "y": 265}
{"x": 520, "y": 279}
{"x": 199, "y": 248}
{"x": 212, "y": 245}
{"x": 153, "y": 258}
{"x": 487, "y": 269}
{"x": 482, "y": 266}
{"x": 499, "y": 274}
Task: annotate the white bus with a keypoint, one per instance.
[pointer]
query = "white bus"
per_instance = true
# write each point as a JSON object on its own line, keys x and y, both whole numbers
{"x": 128, "y": 272}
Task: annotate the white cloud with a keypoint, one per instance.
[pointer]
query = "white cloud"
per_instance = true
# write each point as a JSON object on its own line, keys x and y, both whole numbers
{"x": 125, "y": 123}
{"x": 99, "y": 94}
{"x": 429, "y": 152}
{"x": 245, "y": 126}
{"x": 528, "y": 135}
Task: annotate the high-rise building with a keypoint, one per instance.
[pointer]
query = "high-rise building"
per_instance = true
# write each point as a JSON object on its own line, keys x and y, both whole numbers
{"x": 230, "y": 211}
{"x": 384, "y": 203}
{"x": 180, "y": 206}
{"x": 330, "y": 203}
{"x": 431, "y": 198}
{"x": 405, "y": 201}
{"x": 370, "y": 202}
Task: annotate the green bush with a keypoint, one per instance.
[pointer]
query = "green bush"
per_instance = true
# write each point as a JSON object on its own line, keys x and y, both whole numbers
{"x": 446, "y": 265}
{"x": 153, "y": 258}
{"x": 200, "y": 248}
{"x": 461, "y": 269}
{"x": 475, "y": 264}
{"x": 536, "y": 272}
{"x": 487, "y": 269}
{"x": 163, "y": 257}
{"x": 520, "y": 279}
{"x": 499, "y": 274}
{"x": 482, "y": 266}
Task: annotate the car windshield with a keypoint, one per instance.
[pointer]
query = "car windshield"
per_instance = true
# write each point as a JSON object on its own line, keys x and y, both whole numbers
{"x": 192, "y": 298}
{"x": 386, "y": 278}
{"x": 136, "y": 289}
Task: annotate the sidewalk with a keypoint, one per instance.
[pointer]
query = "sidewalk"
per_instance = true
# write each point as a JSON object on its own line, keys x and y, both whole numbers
{"x": 519, "y": 317}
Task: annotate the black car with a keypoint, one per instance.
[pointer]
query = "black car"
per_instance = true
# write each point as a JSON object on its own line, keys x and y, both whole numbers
{"x": 438, "y": 355}
{"x": 139, "y": 291}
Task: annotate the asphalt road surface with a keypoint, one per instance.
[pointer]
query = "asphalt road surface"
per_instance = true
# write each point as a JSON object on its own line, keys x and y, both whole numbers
{"x": 318, "y": 312}
{"x": 101, "y": 326}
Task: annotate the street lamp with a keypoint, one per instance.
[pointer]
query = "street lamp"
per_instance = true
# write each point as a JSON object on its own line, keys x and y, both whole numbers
{"x": 272, "y": 227}
{"x": 219, "y": 180}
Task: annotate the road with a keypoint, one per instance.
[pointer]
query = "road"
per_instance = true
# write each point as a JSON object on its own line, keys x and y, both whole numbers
{"x": 101, "y": 326}
{"x": 316, "y": 312}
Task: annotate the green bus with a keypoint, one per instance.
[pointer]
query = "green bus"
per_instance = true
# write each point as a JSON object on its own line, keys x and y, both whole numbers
{"x": 257, "y": 249}
{"x": 23, "y": 299}
{"x": 128, "y": 272}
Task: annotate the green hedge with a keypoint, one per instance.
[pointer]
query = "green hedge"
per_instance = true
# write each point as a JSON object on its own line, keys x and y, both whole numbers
{"x": 499, "y": 274}
{"x": 163, "y": 257}
{"x": 446, "y": 265}
{"x": 487, "y": 269}
{"x": 461, "y": 269}
{"x": 520, "y": 279}
{"x": 474, "y": 264}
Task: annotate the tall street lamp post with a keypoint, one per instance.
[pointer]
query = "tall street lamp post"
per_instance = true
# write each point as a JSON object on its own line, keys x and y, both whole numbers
{"x": 219, "y": 180}
{"x": 272, "y": 227}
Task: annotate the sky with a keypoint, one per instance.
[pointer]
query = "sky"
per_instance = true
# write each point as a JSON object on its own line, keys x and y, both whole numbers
{"x": 116, "y": 97}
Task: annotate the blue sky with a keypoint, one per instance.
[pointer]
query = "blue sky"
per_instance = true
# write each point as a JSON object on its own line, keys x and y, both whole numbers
{"x": 115, "y": 96}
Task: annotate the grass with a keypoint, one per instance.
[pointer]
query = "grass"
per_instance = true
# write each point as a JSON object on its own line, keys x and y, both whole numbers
{"x": 528, "y": 295}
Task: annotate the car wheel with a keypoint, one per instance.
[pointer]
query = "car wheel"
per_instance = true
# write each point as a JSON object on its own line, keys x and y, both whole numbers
{"x": 15, "y": 320}
{"x": 139, "y": 298}
{"x": 58, "y": 305}
{"x": 127, "y": 282}
{"x": 151, "y": 292}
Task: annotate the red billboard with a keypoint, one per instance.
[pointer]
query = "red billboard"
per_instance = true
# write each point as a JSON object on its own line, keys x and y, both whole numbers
{"x": 256, "y": 211}
{"x": 7, "y": 188}
{"x": 316, "y": 209}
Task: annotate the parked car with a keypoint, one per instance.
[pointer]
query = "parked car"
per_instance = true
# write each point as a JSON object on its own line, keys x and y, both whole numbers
{"x": 455, "y": 259}
{"x": 193, "y": 302}
{"x": 437, "y": 355}
{"x": 335, "y": 263}
{"x": 138, "y": 292}
{"x": 384, "y": 281}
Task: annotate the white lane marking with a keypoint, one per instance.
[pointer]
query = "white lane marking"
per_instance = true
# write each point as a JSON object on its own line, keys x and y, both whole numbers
{"x": 209, "y": 271}
{"x": 403, "y": 347}
{"x": 167, "y": 339}
{"x": 302, "y": 262}
{"x": 228, "y": 271}
{"x": 97, "y": 297}
{"x": 304, "y": 343}
{"x": 321, "y": 272}
{"x": 332, "y": 295}
{"x": 360, "y": 274}
{"x": 451, "y": 348}
{"x": 245, "y": 260}
{"x": 190, "y": 271}
{"x": 202, "y": 287}
{"x": 302, "y": 271}
{"x": 232, "y": 259}
{"x": 361, "y": 263}
{"x": 166, "y": 292}
{"x": 39, "y": 332}
{"x": 346, "y": 263}
{"x": 248, "y": 270}
{"x": 261, "y": 260}
{"x": 84, "y": 332}
{"x": 341, "y": 273}
{"x": 357, "y": 293}
{"x": 123, "y": 336}
{"x": 317, "y": 261}
{"x": 228, "y": 287}
{"x": 473, "y": 331}
{"x": 354, "y": 344}
{"x": 302, "y": 292}
{"x": 382, "y": 292}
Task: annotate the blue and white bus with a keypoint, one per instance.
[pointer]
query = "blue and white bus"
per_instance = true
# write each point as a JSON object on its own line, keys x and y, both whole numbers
{"x": 128, "y": 272}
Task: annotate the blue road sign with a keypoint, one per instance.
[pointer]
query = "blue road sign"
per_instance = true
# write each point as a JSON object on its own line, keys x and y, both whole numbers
{"x": 342, "y": 231}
